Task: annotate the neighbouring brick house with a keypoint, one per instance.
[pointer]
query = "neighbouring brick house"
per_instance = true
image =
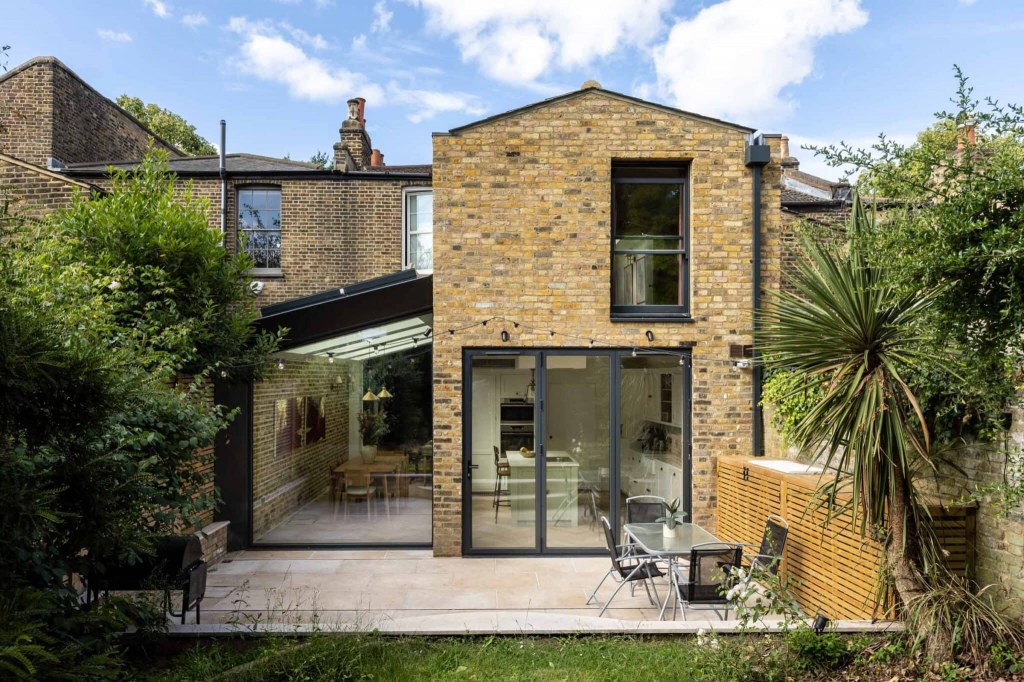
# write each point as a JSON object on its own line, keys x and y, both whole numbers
{"x": 574, "y": 278}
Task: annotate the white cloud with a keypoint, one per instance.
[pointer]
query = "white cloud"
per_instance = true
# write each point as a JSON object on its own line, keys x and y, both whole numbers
{"x": 194, "y": 20}
{"x": 967, "y": 3}
{"x": 381, "y": 18}
{"x": 316, "y": 41}
{"x": 816, "y": 165}
{"x": 428, "y": 103}
{"x": 521, "y": 42}
{"x": 159, "y": 8}
{"x": 266, "y": 54}
{"x": 359, "y": 43}
{"x": 733, "y": 59}
{"x": 114, "y": 36}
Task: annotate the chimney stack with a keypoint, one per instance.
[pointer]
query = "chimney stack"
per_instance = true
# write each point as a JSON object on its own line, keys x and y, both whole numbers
{"x": 966, "y": 135}
{"x": 376, "y": 159}
{"x": 355, "y": 142}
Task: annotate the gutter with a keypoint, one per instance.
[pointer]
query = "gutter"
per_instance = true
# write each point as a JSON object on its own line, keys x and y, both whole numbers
{"x": 223, "y": 172}
{"x": 755, "y": 157}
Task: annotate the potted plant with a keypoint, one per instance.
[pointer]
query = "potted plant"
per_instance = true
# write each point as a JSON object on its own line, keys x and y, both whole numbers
{"x": 373, "y": 426}
{"x": 672, "y": 518}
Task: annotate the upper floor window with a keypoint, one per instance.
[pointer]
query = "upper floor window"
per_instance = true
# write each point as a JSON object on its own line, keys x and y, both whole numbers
{"x": 259, "y": 226}
{"x": 650, "y": 242}
{"x": 419, "y": 228}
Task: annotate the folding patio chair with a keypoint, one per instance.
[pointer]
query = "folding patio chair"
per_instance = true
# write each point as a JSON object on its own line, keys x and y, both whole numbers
{"x": 627, "y": 569}
{"x": 704, "y": 581}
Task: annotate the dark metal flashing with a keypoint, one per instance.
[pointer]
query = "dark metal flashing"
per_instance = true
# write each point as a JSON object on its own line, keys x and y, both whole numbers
{"x": 310, "y": 174}
{"x": 358, "y": 306}
{"x": 601, "y": 91}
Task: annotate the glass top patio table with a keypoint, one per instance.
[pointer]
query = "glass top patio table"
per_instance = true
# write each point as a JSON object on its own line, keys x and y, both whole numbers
{"x": 650, "y": 538}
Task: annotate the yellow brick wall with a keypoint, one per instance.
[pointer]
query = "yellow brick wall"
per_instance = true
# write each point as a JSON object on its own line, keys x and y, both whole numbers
{"x": 522, "y": 229}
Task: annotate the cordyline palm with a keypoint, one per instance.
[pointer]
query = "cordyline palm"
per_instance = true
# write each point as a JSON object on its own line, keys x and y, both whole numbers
{"x": 846, "y": 329}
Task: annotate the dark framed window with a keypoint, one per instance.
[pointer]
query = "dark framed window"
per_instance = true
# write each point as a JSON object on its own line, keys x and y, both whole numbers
{"x": 259, "y": 226}
{"x": 650, "y": 242}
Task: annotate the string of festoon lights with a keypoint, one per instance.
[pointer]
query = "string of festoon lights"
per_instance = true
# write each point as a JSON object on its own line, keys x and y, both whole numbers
{"x": 505, "y": 336}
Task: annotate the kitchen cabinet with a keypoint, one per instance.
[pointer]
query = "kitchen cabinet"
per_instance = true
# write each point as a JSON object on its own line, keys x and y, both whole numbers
{"x": 514, "y": 385}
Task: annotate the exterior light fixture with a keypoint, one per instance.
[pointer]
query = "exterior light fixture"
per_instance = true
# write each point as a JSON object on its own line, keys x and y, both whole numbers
{"x": 427, "y": 333}
{"x": 591, "y": 343}
{"x": 681, "y": 362}
{"x": 504, "y": 336}
{"x": 820, "y": 623}
{"x": 369, "y": 397}
{"x": 330, "y": 357}
{"x": 280, "y": 363}
{"x": 552, "y": 333}
{"x": 650, "y": 335}
{"x": 634, "y": 352}
{"x": 384, "y": 393}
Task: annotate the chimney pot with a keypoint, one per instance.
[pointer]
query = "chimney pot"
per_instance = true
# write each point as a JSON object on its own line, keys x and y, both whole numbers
{"x": 362, "y": 110}
{"x": 376, "y": 159}
{"x": 784, "y": 147}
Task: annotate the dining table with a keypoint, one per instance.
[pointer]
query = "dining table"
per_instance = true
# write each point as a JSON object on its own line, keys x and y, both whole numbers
{"x": 382, "y": 469}
{"x": 650, "y": 539}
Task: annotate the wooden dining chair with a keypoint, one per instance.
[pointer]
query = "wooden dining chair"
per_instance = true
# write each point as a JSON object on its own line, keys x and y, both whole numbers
{"x": 358, "y": 485}
{"x": 502, "y": 472}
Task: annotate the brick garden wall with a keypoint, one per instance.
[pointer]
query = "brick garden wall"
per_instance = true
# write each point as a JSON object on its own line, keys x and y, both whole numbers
{"x": 284, "y": 481}
{"x": 522, "y": 229}
{"x": 35, "y": 192}
{"x": 46, "y": 110}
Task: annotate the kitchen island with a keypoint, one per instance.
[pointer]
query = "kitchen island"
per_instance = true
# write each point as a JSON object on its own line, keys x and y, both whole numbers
{"x": 562, "y": 488}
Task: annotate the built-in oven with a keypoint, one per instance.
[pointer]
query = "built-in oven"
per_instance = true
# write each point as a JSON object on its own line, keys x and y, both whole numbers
{"x": 516, "y": 437}
{"x": 516, "y": 412}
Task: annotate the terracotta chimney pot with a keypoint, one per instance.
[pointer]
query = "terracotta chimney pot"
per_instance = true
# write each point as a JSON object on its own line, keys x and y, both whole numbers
{"x": 376, "y": 159}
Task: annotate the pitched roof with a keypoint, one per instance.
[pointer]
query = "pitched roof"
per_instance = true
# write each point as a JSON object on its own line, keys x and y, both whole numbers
{"x": 588, "y": 89}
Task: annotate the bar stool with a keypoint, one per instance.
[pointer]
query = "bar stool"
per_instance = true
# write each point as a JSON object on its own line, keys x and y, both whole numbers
{"x": 502, "y": 470}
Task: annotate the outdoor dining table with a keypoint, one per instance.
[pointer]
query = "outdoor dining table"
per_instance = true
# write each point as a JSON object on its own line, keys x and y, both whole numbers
{"x": 649, "y": 538}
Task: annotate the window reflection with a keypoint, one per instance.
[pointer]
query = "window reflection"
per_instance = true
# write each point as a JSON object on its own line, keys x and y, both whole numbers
{"x": 259, "y": 225}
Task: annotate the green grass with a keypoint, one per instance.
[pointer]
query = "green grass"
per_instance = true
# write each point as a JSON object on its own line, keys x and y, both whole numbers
{"x": 601, "y": 659}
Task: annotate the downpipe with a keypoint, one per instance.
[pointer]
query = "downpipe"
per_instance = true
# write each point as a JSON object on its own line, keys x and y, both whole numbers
{"x": 756, "y": 156}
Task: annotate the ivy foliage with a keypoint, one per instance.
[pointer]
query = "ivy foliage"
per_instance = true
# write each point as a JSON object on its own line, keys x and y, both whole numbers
{"x": 793, "y": 397}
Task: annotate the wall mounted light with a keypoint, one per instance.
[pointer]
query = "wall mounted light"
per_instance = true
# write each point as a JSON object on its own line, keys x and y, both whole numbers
{"x": 330, "y": 357}
{"x": 280, "y": 363}
{"x": 650, "y": 335}
{"x": 504, "y": 336}
{"x": 741, "y": 364}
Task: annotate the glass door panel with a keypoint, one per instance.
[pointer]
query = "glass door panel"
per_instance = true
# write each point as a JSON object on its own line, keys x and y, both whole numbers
{"x": 502, "y": 465}
{"x": 577, "y": 457}
{"x": 652, "y": 411}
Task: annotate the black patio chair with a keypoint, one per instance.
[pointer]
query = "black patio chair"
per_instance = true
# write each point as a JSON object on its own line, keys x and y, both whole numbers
{"x": 627, "y": 569}
{"x": 703, "y": 583}
{"x": 769, "y": 554}
{"x": 644, "y": 508}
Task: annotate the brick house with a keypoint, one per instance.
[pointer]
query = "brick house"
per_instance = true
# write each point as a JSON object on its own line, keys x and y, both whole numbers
{"x": 561, "y": 301}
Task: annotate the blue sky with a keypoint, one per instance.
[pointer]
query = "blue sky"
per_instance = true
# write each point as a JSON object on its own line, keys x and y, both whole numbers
{"x": 280, "y": 71}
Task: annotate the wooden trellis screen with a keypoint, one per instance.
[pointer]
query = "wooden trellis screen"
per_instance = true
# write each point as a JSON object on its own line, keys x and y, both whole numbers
{"x": 834, "y": 568}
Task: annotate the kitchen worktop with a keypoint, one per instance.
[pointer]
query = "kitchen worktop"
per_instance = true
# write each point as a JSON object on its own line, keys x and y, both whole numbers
{"x": 556, "y": 458}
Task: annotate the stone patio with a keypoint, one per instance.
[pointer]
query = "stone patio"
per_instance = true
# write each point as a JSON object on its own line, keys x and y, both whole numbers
{"x": 411, "y": 591}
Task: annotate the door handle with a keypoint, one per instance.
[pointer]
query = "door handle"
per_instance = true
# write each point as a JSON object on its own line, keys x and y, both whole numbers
{"x": 474, "y": 466}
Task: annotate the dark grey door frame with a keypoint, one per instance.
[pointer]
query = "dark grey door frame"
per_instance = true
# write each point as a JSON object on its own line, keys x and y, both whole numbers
{"x": 615, "y": 356}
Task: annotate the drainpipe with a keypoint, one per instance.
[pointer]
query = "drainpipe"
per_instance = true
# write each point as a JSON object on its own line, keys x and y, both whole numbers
{"x": 756, "y": 157}
{"x": 223, "y": 182}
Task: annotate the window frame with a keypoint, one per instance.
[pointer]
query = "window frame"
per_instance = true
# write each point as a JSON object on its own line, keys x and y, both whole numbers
{"x": 408, "y": 192}
{"x": 258, "y": 271}
{"x": 633, "y": 313}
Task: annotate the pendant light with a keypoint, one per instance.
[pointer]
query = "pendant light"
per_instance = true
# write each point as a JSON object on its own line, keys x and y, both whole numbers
{"x": 384, "y": 393}
{"x": 369, "y": 397}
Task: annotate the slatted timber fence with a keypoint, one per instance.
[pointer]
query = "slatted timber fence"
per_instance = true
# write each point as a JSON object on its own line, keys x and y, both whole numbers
{"x": 834, "y": 568}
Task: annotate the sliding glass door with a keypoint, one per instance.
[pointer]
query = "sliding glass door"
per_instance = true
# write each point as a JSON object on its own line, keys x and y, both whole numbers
{"x": 578, "y": 455}
{"x": 556, "y": 439}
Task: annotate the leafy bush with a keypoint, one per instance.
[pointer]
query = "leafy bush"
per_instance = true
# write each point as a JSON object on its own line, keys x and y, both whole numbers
{"x": 112, "y": 314}
{"x": 827, "y": 651}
